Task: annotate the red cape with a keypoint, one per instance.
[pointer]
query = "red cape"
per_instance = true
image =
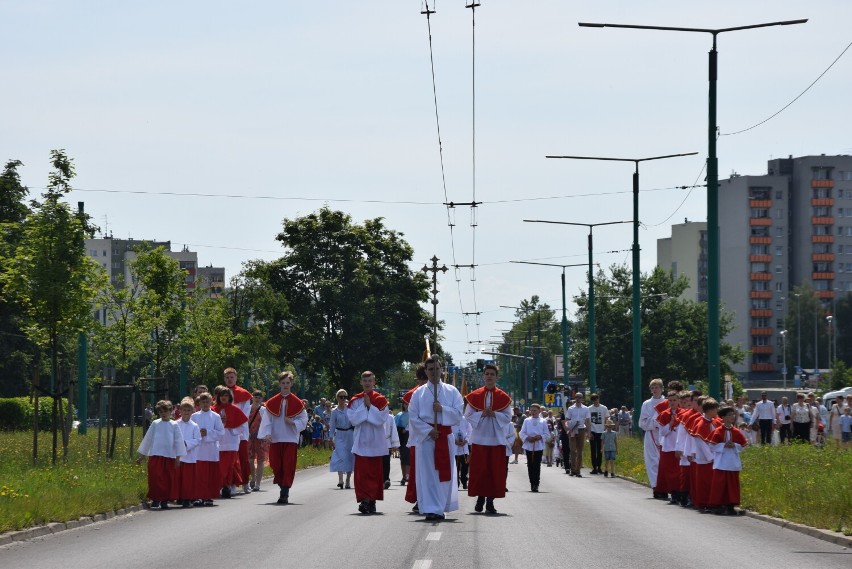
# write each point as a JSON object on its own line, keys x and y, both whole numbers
{"x": 240, "y": 395}
{"x": 294, "y": 405}
{"x": 499, "y": 399}
{"x": 376, "y": 399}
{"x": 662, "y": 405}
{"x": 407, "y": 397}
{"x": 665, "y": 417}
{"x": 234, "y": 416}
{"x": 737, "y": 436}
{"x": 703, "y": 429}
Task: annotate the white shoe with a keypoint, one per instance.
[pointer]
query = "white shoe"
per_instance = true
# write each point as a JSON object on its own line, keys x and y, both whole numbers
{"x": 247, "y": 489}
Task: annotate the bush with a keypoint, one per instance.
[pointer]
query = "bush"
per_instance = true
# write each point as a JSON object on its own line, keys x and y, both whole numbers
{"x": 16, "y": 413}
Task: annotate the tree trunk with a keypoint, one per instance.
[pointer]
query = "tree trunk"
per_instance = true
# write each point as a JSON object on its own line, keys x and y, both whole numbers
{"x": 35, "y": 413}
{"x": 53, "y": 365}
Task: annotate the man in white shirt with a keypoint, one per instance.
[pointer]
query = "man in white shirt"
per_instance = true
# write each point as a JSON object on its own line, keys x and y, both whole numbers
{"x": 533, "y": 433}
{"x": 578, "y": 423}
{"x": 764, "y": 416}
{"x": 368, "y": 413}
{"x": 598, "y": 414}
{"x": 648, "y": 423}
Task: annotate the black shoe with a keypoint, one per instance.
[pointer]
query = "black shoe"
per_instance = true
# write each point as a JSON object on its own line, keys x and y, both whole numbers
{"x": 198, "y": 503}
{"x": 578, "y": 475}
{"x": 208, "y": 502}
{"x": 185, "y": 504}
{"x": 535, "y": 488}
{"x": 464, "y": 485}
{"x": 480, "y": 502}
{"x": 155, "y": 505}
{"x": 284, "y": 496}
{"x": 164, "y": 505}
{"x": 402, "y": 482}
{"x": 434, "y": 517}
{"x": 415, "y": 509}
{"x": 372, "y": 506}
{"x": 489, "y": 507}
{"x": 387, "y": 484}
{"x": 340, "y": 485}
{"x": 364, "y": 507}
{"x": 226, "y": 492}
{"x": 606, "y": 473}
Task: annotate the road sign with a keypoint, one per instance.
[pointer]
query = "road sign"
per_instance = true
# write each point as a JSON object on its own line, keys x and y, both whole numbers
{"x": 546, "y": 384}
{"x": 557, "y": 399}
{"x": 558, "y": 368}
{"x": 549, "y": 399}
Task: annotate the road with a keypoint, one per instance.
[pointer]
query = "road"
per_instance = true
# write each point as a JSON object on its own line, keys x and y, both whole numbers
{"x": 571, "y": 522}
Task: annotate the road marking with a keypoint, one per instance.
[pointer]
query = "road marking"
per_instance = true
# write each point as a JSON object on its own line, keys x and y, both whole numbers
{"x": 423, "y": 564}
{"x": 433, "y": 536}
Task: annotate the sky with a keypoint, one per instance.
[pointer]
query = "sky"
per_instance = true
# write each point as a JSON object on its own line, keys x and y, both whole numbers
{"x": 287, "y": 107}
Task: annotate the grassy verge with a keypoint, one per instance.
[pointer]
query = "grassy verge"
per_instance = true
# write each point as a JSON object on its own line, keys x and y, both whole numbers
{"x": 800, "y": 483}
{"x": 87, "y": 484}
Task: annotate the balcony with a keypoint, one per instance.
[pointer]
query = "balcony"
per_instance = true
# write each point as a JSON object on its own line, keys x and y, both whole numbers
{"x": 822, "y": 202}
{"x": 762, "y": 367}
{"x": 822, "y": 257}
{"x": 760, "y": 240}
{"x": 761, "y": 313}
{"x": 759, "y": 203}
{"x": 822, "y": 183}
{"x": 824, "y": 293}
{"x": 761, "y": 331}
{"x": 760, "y": 258}
{"x": 822, "y": 220}
{"x": 761, "y": 349}
{"x": 761, "y": 294}
{"x": 759, "y": 221}
{"x": 826, "y": 276}
{"x": 822, "y": 238}
{"x": 760, "y": 276}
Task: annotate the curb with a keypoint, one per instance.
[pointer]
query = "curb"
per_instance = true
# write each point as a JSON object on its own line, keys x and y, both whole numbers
{"x": 56, "y": 527}
{"x": 834, "y": 537}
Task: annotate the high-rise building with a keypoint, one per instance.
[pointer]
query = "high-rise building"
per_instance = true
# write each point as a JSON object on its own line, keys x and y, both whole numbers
{"x": 685, "y": 253}
{"x": 212, "y": 279}
{"x": 789, "y": 227}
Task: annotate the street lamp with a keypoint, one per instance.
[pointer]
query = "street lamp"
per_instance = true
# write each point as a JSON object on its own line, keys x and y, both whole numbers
{"x": 713, "y": 297}
{"x": 798, "y": 332}
{"x": 830, "y": 321}
{"x": 637, "y": 314}
{"x": 591, "y": 310}
{"x": 564, "y": 313}
{"x": 784, "y": 356}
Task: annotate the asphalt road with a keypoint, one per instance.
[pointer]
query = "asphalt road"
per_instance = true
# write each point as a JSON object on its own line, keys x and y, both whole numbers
{"x": 585, "y": 523}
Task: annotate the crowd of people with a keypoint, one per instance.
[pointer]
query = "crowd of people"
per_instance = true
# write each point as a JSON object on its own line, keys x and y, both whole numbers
{"x": 213, "y": 444}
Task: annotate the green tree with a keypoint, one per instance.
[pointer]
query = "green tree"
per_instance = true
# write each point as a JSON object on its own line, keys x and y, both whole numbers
{"x": 16, "y": 351}
{"x": 805, "y": 324}
{"x": 209, "y": 339}
{"x": 353, "y": 302}
{"x": 52, "y": 278}
{"x": 674, "y": 333}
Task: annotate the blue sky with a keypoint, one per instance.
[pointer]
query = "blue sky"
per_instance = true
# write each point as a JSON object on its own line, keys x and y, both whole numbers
{"x": 332, "y": 101}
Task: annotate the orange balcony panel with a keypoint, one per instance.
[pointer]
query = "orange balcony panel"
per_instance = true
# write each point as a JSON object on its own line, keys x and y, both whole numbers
{"x": 760, "y": 276}
{"x": 762, "y": 367}
{"x": 760, "y": 240}
{"x": 761, "y": 294}
{"x": 760, "y": 258}
{"x": 822, "y": 257}
{"x": 822, "y": 238}
{"x": 761, "y": 349}
{"x": 822, "y": 183}
{"x": 759, "y": 221}
{"x": 761, "y": 313}
{"x": 824, "y": 294}
{"x": 761, "y": 331}
{"x": 822, "y": 276}
{"x": 759, "y": 203}
{"x": 822, "y": 220}
{"x": 822, "y": 201}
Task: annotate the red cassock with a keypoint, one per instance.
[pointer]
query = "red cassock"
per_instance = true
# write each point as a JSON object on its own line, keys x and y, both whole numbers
{"x": 188, "y": 489}
{"x": 487, "y": 471}
{"x": 282, "y": 456}
{"x": 369, "y": 470}
{"x": 229, "y": 460}
{"x": 411, "y": 490}
{"x": 668, "y": 475}
{"x": 208, "y": 479}
{"x": 241, "y": 396}
{"x": 725, "y": 486}
{"x": 162, "y": 479}
{"x": 702, "y": 473}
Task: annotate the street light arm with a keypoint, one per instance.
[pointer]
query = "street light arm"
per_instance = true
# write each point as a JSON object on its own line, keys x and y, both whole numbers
{"x": 701, "y": 30}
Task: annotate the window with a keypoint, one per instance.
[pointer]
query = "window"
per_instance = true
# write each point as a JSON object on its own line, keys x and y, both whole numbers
{"x": 822, "y": 193}
{"x": 759, "y": 193}
{"x": 759, "y": 249}
{"x": 849, "y": 231}
{"x": 839, "y": 249}
{"x": 839, "y": 229}
{"x": 779, "y": 287}
{"x": 779, "y": 305}
{"x": 822, "y": 174}
{"x": 845, "y": 175}
{"x": 779, "y": 232}
{"x": 104, "y": 252}
{"x": 821, "y": 211}
{"x": 839, "y": 267}
{"x": 758, "y": 303}
{"x": 840, "y": 212}
{"x": 760, "y": 340}
{"x": 759, "y": 285}
{"x": 821, "y": 230}
{"x": 94, "y": 253}
{"x": 779, "y": 250}
{"x": 779, "y": 269}
{"x": 759, "y": 322}
{"x": 779, "y": 324}
{"x": 759, "y": 212}
{"x": 760, "y": 231}
{"x": 779, "y": 213}
{"x": 822, "y": 267}
{"x": 779, "y": 194}
{"x": 820, "y": 285}
{"x": 840, "y": 194}
{"x": 759, "y": 267}
{"x": 825, "y": 248}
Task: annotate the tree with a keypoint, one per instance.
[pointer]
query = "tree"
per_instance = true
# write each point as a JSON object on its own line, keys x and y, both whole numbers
{"x": 52, "y": 278}
{"x": 674, "y": 333}
{"x": 16, "y": 351}
{"x": 805, "y": 309}
{"x": 209, "y": 340}
{"x": 353, "y": 302}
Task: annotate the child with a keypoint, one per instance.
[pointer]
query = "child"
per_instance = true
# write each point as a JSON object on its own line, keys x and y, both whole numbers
{"x": 207, "y": 453}
{"x": 846, "y": 427}
{"x": 163, "y": 445}
{"x": 701, "y": 455}
{"x": 233, "y": 420}
{"x": 316, "y": 431}
{"x": 727, "y": 443}
{"x": 187, "y": 488}
{"x": 609, "y": 439}
{"x": 258, "y": 448}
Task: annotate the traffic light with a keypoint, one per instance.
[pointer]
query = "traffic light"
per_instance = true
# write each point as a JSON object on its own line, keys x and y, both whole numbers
{"x": 480, "y": 365}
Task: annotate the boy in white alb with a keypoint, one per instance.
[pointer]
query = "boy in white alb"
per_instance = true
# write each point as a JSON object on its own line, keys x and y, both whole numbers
{"x": 533, "y": 433}
{"x": 188, "y": 490}
{"x": 163, "y": 445}
{"x": 207, "y": 476}
{"x": 368, "y": 413}
{"x": 648, "y": 423}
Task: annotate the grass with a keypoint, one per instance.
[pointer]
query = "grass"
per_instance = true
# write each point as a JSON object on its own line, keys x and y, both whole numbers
{"x": 87, "y": 484}
{"x": 800, "y": 483}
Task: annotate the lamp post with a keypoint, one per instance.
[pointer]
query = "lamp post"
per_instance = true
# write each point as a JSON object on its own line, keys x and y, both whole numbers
{"x": 591, "y": 308}
{"x": 713, "y": 296}
{"x": 637, "y": 314}
{"x": 830, "y": 321}
{"x": 798, "y": 332}
{"x": 784, "y": 356}
{"x": 564, "y": 312}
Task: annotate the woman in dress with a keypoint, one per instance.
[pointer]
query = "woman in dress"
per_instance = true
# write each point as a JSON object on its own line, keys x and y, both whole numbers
{"x": 341, "y": 432}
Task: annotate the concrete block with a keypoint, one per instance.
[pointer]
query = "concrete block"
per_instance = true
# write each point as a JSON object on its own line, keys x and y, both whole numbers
{"x": 56, "y": 527}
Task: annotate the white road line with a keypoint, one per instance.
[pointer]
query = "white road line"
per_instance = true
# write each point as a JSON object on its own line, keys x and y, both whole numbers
{"x": 433, "y": 536}
{"x": 423, "y": 564}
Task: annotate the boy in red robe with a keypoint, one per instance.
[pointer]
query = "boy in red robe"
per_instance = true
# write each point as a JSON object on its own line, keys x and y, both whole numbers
{"x": 368, "y": 412}
{"x": 728, "y": 442}
{"x": 282, "y": 420}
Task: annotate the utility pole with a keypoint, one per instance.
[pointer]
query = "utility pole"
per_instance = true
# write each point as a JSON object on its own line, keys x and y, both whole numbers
{"x": 434, "y": 270}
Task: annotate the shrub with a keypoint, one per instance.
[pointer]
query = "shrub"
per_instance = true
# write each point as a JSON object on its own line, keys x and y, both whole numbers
{"x": 16, "y": 413}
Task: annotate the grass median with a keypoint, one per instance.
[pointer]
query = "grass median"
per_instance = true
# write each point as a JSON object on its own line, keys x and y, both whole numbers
{"x": 87, "y": 484}
{"x": 800, "y": 483}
